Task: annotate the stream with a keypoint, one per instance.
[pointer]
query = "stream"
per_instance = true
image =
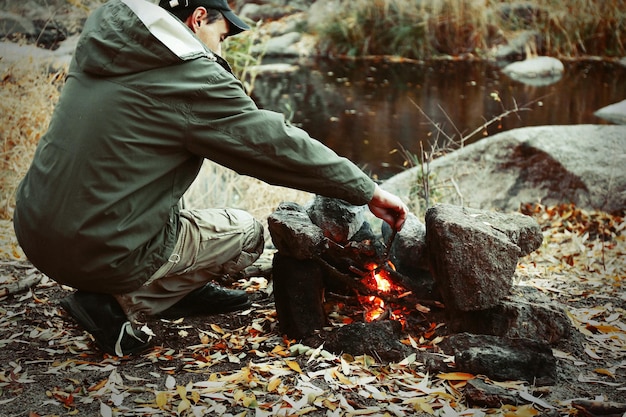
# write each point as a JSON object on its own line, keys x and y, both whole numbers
{"x": 377, "y": 113}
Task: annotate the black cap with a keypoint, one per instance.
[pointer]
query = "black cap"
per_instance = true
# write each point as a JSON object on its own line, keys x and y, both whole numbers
{"x": 236, "y": 24}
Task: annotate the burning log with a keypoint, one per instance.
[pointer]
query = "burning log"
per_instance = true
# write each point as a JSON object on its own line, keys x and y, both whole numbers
{"x": 399, "y": 279}
{"x": 339, "y": 280}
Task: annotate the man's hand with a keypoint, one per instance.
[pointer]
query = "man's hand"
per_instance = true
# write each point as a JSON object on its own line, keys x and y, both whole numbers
{"x": 389, "y": 208}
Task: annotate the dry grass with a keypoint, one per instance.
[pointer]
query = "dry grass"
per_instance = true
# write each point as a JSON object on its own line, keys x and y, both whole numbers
{"x": 584, "y": 27}
{"x": 27, "y": 99}
{"x": 430, "y": 28}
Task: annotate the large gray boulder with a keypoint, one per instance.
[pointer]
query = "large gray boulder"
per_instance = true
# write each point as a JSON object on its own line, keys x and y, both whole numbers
{"x": 580, "y": 164}
{"x": 537, "y": 71}
{"x": 474, "y": 253}
{"x": 614, "y": 113}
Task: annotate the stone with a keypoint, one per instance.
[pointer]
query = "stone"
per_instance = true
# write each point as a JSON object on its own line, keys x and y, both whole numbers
{"x": 380, "y": 340}
{"x": 527, "y": 313}
{"x": 614, "y": 113}
{"x": 53, "y": 60}
{"x": 520, "y": 13}
{"x": 473, "y": 260}
{"x": 284, "y": 45}
{"x": 298, "y": 294}
{"x": 538, "y": 71}
{"x": 502, "y": 359}
{"x": 294, "y": 234}
{"x": 12, "y": 24}
{"x": 338, "y": 219}
{"x": 517, "y": 47}
{"x": 581, "y": 164}
{"x": 478, "y": 393}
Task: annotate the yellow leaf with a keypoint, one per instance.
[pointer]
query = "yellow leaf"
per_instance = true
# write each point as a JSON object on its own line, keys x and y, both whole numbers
{"x": 294, "y": 366}
{"x": 280, "y": 350}
{"x": 603, "y": 371}
{"x": 183, "y": 405}
{"x": 161, "y": 399}
{"x": 605, "y": 328}
{"x": 273, "y": 384}
{"x": 195, "y": 396}
{"x": 217, "y": 328}
{"x": 444, "y": 395}
{"x": 238, "y": 395}
{"x": 523, "y": 411}
{"x": 182, "y": 392}
{"x": 98, "y": 385}
{"x": 249, "y": 401}
{"x": 456, "y": 376}
{"x": 328, "y": 404}
{"x": 421, "y": 404}
{"x": 343, "y": 379}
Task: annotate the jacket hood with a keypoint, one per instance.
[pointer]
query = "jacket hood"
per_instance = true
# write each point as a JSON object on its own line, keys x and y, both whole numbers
{"x": 119, "y": 38}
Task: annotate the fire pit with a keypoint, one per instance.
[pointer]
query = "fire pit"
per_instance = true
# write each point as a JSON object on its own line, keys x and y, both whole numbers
{"x": 332, "y": 270}
{"x": 443, "y": 286}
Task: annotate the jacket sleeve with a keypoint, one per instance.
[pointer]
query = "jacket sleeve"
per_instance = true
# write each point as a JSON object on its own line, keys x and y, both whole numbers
{"x": 227, "y": 127}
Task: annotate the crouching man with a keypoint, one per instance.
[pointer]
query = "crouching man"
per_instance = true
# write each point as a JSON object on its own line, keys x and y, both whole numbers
{"x": 148, "y": 97}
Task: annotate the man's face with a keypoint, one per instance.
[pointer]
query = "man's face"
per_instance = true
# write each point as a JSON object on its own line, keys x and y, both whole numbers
{"x": 211, "y": 34}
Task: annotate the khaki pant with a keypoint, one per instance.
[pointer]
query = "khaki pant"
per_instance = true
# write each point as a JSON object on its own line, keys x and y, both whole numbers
{"x": 211, "y": 244}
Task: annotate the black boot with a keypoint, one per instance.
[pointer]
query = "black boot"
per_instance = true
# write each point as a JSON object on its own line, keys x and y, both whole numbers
{"x": 102, "y": 316}
{"x": 210, "y": 299}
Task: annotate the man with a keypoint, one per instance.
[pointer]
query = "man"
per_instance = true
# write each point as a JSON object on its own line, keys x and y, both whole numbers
{"x": 147, "y": 98}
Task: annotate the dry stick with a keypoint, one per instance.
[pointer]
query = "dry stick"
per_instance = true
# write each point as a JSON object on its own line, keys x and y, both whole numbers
{"x": 462, "y": 139}
{"x": 425, "y": 159}
{"x": 600, "y": 407}
{"x": 20, "y": 286}
{"x": 610, "y": 186}
{"x": 347, "y": 280}
{"x": 394, "y": 232}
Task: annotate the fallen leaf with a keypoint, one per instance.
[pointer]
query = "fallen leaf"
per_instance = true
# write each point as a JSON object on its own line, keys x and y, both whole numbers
{"x": 294, "y": 366}
{"x": 456, "y": 376}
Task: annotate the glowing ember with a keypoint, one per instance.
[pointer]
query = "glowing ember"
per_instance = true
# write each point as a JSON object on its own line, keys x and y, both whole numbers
{"x": 375, "y": 307}
{"x": 379, "y": 281}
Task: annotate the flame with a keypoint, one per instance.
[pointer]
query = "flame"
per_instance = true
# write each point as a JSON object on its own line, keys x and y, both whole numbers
{"x": 383, "y": 284}
{"x": 375, "y": 307}
{"x": 378, "y": 280}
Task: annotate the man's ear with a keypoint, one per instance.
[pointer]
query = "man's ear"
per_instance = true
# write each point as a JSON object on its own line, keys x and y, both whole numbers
{"x": 194, "y": 21}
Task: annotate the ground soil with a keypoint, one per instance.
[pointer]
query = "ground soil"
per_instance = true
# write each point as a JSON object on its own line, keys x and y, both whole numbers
{"x": 51, "y": 367}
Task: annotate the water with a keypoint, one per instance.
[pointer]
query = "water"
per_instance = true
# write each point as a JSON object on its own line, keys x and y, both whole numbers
{"x": 370, "y": 112}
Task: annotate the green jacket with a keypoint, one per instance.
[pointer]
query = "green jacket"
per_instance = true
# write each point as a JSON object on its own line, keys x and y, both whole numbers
{"x": 144, "y": 103}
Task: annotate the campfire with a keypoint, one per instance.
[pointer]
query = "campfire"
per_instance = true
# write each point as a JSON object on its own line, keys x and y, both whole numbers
{"x": 340, "y": 281}
{"x": 325, "y": 278}
{"x": 379, "y": 305}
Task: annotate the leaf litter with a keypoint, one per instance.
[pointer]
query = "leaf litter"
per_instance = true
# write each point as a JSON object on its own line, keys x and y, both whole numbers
{"x": 238, "y": 364}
